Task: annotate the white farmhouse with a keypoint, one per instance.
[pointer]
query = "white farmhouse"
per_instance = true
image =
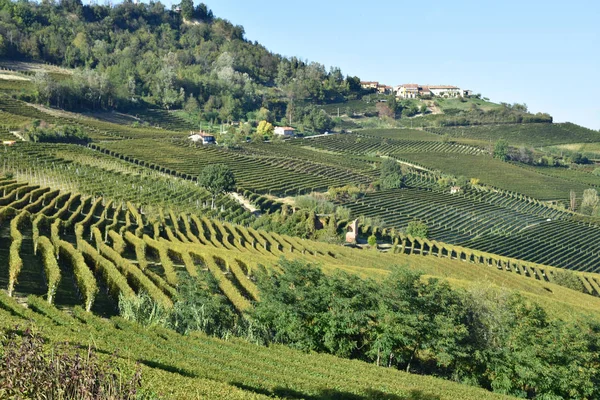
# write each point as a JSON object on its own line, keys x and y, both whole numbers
{"x": 203, "y": 137}
{"x": 445, "y": 91}
{"x": 284, "y": 131}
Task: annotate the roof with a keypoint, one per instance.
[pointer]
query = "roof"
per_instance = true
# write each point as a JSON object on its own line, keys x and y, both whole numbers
{"x": 201, "y": 133}
{"x": 369, "y": 82}
{"x": 410, "y": 86}
{"x": 285, "y": 128}
{"x": 442, "y": 87}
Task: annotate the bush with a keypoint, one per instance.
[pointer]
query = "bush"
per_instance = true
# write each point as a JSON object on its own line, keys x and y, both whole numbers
{"x": 372, "y": 240}
{"x": 417, "y": 229}
{"x": 569, "y": 280}
{"x": 30, "y": 372}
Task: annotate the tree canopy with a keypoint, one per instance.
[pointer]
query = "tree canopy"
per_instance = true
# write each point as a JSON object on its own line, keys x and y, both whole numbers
{"x": 131, "y": 54}
{"x": 391, "y": 174}
{"x": 217, "y": 179}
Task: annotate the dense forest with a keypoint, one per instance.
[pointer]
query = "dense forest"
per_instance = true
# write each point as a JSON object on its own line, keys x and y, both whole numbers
{"x": 134, "y": 55}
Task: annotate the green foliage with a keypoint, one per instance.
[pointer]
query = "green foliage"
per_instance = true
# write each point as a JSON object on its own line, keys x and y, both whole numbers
{"x": 153, "y": 57}
{"x": 58, "y": 134}
{"x": 199, "y": 307}
{"x": 217, "y": 179}
{"x": 568, "y": 279}
{"x": 417, "y": 229}
{"x": 391, "y": 174}
{"x": 320, "y": 205}
{"x": 316, "y": 120}
{"x": 501, "y": 150}
{"x": 590, "y": 204}
{"x": 372, "y": 240}
{"x": 144, "y": 310}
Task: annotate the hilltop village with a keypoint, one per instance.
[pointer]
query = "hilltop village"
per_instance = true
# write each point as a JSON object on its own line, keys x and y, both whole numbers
{"x": 414, "y": 90}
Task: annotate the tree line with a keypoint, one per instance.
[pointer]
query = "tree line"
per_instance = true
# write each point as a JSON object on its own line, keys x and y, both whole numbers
{"x": 481, "y": 336}
{"x": 135, "y": 55}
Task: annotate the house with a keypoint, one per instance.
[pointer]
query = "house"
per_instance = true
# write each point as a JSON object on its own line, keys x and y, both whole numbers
{"x": 384, "y": 89}
{"x": 407, "y": 91}
{"x": 455, "y": 189}
{"x": 424, "y": 91}
{"x": 284, "y": 131}
{"x": 205, "y": 138}
{"x": 445, "y": 91}
{"x": 467, "y": 93}
{"x": 9, "y": 142}
{"x": 352, "y": 233}
{"x": 369, "y": 85}
{"x": 413, "y": 91}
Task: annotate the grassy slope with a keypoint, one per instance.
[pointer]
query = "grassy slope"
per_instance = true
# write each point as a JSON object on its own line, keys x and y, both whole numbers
{"x": 197, "y": 366}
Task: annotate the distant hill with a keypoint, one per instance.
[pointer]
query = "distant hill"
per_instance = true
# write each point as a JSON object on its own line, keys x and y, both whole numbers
{"x": 144, "y": 55}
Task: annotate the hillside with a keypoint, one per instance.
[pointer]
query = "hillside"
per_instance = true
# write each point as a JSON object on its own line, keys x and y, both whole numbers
{"x": 388, "y": 248}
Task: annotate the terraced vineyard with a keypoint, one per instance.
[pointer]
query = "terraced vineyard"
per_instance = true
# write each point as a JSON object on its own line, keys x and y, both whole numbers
{"x": 262, "y": 174}
{"x": 77, "y": 169}
{"x": 494, "y": 223}
{"x": 497, "y": 173}
{"x": 523, "y": 134}
{"x": 6, "y": 135}
{"x": 105, "y": 248}
{"x": 366, "y": 144}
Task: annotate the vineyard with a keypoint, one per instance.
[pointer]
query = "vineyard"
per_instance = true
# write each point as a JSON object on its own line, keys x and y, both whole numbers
{"x": 501, "y": 224}
{"x": 262, "y": 174}
{"x": 83, "y": 228}
{"x": 516, "y": 178}
{"x": 523, "y": 134}
{"x": 365, "y": 144}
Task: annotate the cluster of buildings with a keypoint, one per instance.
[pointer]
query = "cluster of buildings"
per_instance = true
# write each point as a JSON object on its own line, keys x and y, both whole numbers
{"x": 208, "y": 138}
{"x": 414, "y": 90}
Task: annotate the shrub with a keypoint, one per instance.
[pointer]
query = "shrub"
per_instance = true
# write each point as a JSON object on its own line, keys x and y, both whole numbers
{"x": 569, "y": 280}
{"x": 417, "y": 228}
{"x": 30, "y": 372}
{"x": 372, "y": 240}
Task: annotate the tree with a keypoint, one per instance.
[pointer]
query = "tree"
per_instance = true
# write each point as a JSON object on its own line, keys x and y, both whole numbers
{"x": 187, "y": 9}
{"x": 317, "y": 120}
{"x": 217, "y": 179}
{"x": 416, "y": 315}
{"x": 590, "y": 203}
{"x": 501, "y": 150}
{"x": 265, "y": 128}
{"x": 391, "y": 174}
{"x": 191, "y": 105}
{"x": 417, "y": 229}
{"x": 264, "y": 115}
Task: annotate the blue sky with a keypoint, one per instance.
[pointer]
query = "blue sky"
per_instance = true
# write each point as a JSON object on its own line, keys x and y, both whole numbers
{"x": 542, "y": 53}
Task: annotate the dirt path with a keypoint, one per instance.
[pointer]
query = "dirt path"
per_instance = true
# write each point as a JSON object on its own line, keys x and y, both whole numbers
{"x": 244, "y": 202}
{"x": 18, "y": 135}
